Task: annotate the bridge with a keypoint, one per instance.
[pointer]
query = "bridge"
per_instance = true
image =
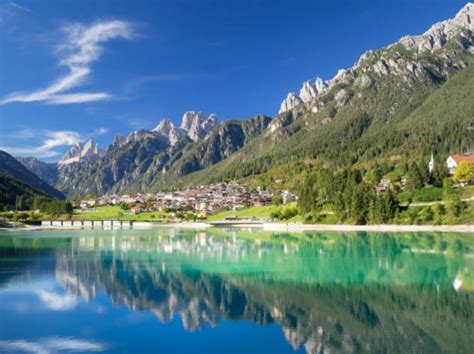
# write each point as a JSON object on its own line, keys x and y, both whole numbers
{"x": 93, "y": 224}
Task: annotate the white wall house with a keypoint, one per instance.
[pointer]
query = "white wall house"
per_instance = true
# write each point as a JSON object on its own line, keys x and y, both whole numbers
{"x": 453, "y": 161}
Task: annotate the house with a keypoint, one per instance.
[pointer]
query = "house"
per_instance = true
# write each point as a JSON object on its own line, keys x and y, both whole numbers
{"x": 136, "y": 209}
{"x": 383, "y": 185}
{"x": 101, "y": 201}
{"x": 237, "y": 207}
{"x": 287, "y": 197}
{"x": 453, "y": 161}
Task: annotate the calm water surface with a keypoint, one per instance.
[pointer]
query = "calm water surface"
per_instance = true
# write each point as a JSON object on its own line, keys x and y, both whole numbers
{"x": 231, "y": 291}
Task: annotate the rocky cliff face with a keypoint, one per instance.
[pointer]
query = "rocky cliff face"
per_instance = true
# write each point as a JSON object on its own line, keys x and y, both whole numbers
{"x": 83, "y": 152}
{"x": 197, "y": 125}
{"x": 291, "y": 101}
{"x": 75, "y": 162}
{"x": 459, "y": 28}
{"x": 169, "y": 131}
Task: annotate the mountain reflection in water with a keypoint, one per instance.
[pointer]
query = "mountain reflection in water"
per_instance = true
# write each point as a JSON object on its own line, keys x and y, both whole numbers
{"x": 328, "y": 292}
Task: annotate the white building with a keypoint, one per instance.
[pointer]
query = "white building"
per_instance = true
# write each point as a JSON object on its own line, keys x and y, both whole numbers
{"x": 453, "y": 161}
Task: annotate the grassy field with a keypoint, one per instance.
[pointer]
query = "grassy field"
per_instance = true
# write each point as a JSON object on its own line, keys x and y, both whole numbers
{"x": 115, "y": 212}
{"x": 256, "y": 212}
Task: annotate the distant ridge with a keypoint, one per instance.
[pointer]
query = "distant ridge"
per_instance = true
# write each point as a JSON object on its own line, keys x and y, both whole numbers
{"x": 12, "y": 167}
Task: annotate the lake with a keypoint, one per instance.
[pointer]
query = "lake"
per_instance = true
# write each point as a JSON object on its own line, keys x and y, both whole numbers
{"x": 236, "y": 291}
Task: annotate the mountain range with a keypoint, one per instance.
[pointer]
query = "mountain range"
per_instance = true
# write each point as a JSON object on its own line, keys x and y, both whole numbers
{"x": 408, "y": 99}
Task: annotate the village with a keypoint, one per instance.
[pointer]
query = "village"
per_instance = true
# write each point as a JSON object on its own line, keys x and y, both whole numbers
{"x": 202, "y": 201}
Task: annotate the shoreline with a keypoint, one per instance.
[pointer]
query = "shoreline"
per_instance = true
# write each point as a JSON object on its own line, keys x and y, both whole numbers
{"x": 369, "y": 228}
{"x": 285, "y": 227}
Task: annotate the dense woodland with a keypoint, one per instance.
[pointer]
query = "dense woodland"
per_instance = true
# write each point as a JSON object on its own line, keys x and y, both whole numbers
{"x": 351, "y": 195}
{"x": 17, "y": 196}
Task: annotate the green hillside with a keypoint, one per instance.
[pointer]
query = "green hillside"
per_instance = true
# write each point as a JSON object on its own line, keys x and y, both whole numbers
{"x": 14, "y": 168}
{"x": 15, "y": 194}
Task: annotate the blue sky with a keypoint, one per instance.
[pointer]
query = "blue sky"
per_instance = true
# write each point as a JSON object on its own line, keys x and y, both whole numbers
{"x": 70, "y": 70}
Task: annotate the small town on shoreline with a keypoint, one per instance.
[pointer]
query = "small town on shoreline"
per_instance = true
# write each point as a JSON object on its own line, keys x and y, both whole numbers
{"x": 203, "y": 200}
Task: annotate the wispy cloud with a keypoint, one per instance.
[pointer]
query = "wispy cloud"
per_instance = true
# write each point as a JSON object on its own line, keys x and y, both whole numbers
{"x": 135, "y": 83}
{"x": 19, "y": 7}
{"x": 50, "y": 141}
{"x": 52, "y": 345}
{"x": 82, "y": 46}
{"x": 99, "y": 131}
{"x": 57, "y": 302}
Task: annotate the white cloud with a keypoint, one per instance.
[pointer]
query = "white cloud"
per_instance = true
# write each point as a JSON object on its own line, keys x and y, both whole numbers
{"x": 50, "y": 141}
{"x": 78, "y": 98}
{"x": 58, "y": 302}
{"x": 83, "y": 46}
{"x": 99, "y": 131}
{"x": 52, "y": 345}
{"x": 19, "y": 7}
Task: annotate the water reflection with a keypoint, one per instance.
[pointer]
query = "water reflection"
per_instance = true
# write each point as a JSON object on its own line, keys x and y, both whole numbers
{"x": 328, "y": 292}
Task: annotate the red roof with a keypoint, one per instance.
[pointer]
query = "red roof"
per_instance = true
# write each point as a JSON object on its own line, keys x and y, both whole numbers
{"x": 461, "y": 158}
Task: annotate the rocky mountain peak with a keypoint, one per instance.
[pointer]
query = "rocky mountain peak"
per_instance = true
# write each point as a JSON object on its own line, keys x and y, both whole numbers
{"x": 169, "y": 131}
{"x": 119, "y": 140}
{"x": 308, "y": 91}
{"x": 441, "y": 32}
{"x": 197, "y": 125}
{"x": 82, "y": 151}
{"x": 290, "y": 102}
{"x": 311, "y": 90}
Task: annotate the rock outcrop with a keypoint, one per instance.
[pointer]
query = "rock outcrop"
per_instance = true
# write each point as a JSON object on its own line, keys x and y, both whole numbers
{"x": 82, "y": 152}
{"x": 290, "y": 102}
{"x": 169, "y": 131}
{"x": 197, "y": 125}
{"x": 461, "y": 26}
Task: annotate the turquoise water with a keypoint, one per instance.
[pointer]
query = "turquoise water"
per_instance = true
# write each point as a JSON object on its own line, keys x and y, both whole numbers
{"x": 236, "y": 291}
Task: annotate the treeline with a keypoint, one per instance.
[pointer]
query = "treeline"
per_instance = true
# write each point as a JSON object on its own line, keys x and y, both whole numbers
{"x": 15, "y": 195}
{"x": 347, "y": 195}
{"x": 351, "y": 196}
{"x": 52, "y": 206}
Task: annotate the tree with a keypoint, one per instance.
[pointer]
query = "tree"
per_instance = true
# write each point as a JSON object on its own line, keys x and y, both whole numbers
{"x": 451, "y": 198}
{"x": 359, "y": 209}
{"x": 124, "y": 206}
{"x": 277, "y": 199}
{"x": 373, "y": 176}
{"x": 415, "y": 178}
{"x": 439, "y": 173}
{"x": 464, "y": 172}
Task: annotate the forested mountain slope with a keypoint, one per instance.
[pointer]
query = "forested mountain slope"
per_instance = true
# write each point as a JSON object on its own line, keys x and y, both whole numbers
{"x": 12, "y": 167}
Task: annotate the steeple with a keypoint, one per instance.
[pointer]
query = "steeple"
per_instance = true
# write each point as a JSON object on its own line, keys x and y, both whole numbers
{"x": 431, "y": 164}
